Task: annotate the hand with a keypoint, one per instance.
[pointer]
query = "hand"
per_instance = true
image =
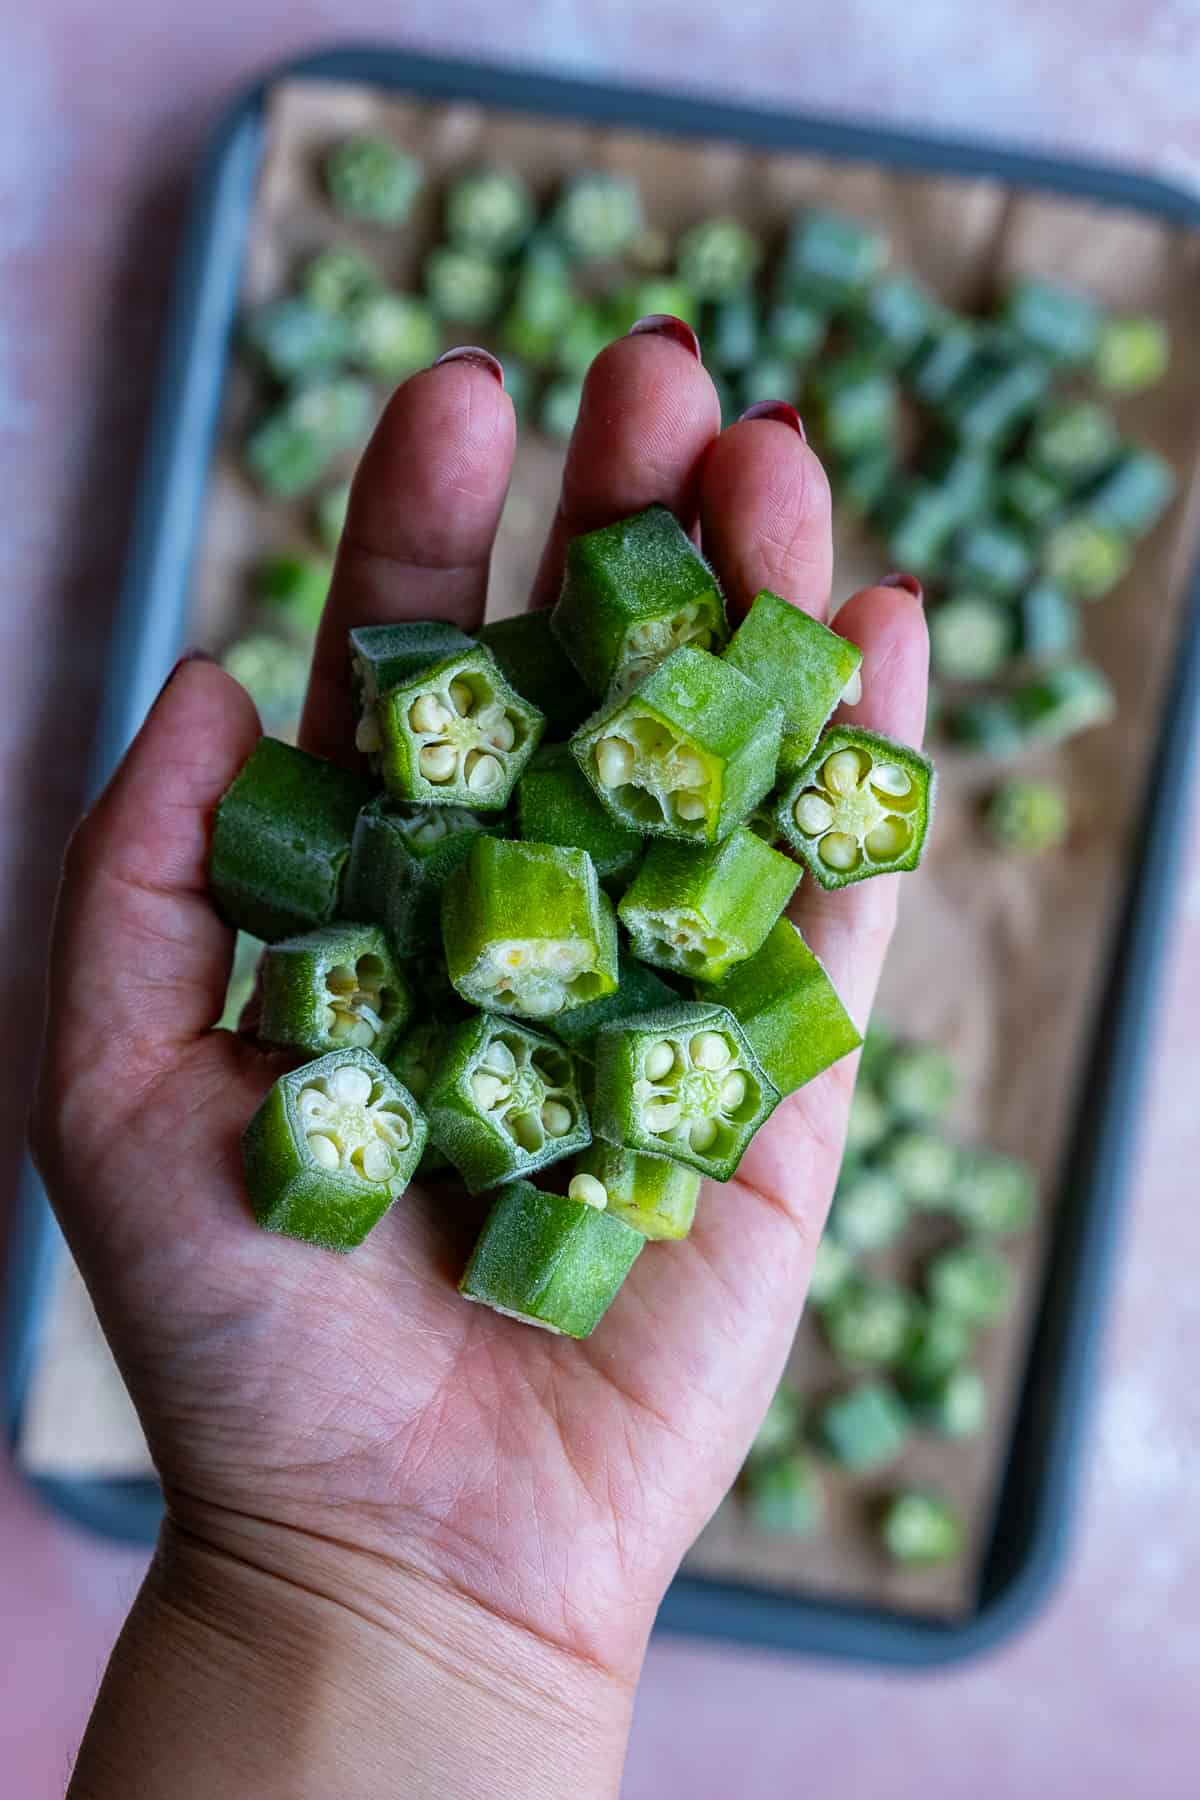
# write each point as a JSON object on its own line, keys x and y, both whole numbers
{"x": 347, "y": 1426}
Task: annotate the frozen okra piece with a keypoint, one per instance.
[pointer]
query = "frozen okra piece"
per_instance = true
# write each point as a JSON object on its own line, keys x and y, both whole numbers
{"x": 337, "y": 278}
{"x": 638, "y": 990}
{"x": 892, "y": 319}
{"x": 1047, "y": 623}
{"x": 274, "y": 672}
{"x": 462, "y": 286}
{"x": 768, "y": 378}
{"x": 655, "y": 294}
{"x": 590, "y": 330}
{"x": 795, "y": 329}
{"x": 329, "y": 514}
{"x": 972, "y": 1281}
{"x": 392, "y": 335}
{"x": 682, "y": 1083}
{"x": 938, "y": 1343}
{"x": 965, "y": 475}
{"x": 414, "y": 1060}
{"x": 688, "y": 754}
{"x": 504, "y": 1100}
{"x": 543, "y": 305}
{"x": 292, "y": 447}
{"x": 865, "y": 1428}
{"x": 598, "y": 215}
{"x": 802, "y": 665}
{"x": 989, "y": 557}
{"x": 780, "y": 1428}
{"x": 869, "y": 1210}
{"x": 1072, "y": 440}
{"x": 657, "y": 1197}
{"x": 918, "y": 1082}
{"x": 400, "y": 860}
{"x": 718, "y": 257}
{"x": 489, "y": 211}
{"x": 833, "y": 1265}
{"x": 994, "y": 1195}
{"x": 954, "y": 1405}
{"x": 855, "y": 403}
{"x": 1086, "y": 556}
{"x": 371, "y": 179}
{"x": 1132, "y": 492}
{"x": 862, "y": 480}
{"x": 1028, "y": 816}
{"x": 994, "y": 394}
{"x": 331, "y": 988}
{"x": 634, "y": 592}
{"x": 555, "y": 805}
{"x": 860, "y": 806}
{"x": 990, "y": 723}
{"x": 550, "y": 1260}
{"x": 788, "y": 1009}
{"x": 917, "y": 519}
{"x": 1130, "y": 354}
{"x": 784, "y": 1494}
{"x": 867, "y": 1323}
{"x": 527, "y": 929}
{"x": 832, "y": 258}
{"x": 946, "y": 352}
{"x": 532, "y": 658}
{"x": 1060, "y": 323}
{"x": 294, "y": 340}
{"x": 923, "y": 1165}
{"x": 698, "y": 912}
{"x": 281, "y": 840}
{"x": 1065, "y": 701}
{"x": 921, "y": 1529}
{"x": 1027, "y": 496}
{"x": 972, "y": 637}
{"x": 298, "y": 586}
{"x": 331, "y": 1147}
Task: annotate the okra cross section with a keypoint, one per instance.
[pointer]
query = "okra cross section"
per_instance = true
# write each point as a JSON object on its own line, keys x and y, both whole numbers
{"x": 549, "y": 1260}
{"x": 681, "y": 1083}
{"x": 331, "y": 1147}
{"x": 657, "y": 1197}
{"x": 504, "y": 1101}
{"x": 632, "y": 593}
{"x": 860, "y": 806}
{"x": 527, "y": 930}
{"x": 688, "y": 754}
{"x": 699, "y": 912}
{"x": 332, "y": 988}
{"x": 802, "y": 665}
{"x": 400, "y": 860}
{"x": 788, "y": 1008}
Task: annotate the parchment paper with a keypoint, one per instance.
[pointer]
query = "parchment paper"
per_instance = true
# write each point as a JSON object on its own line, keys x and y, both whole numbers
{"x": 1000, "y": 960}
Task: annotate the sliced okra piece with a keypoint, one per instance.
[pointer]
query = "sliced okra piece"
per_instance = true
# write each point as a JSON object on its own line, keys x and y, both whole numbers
{"x": 865, "y": 1428}
{"x": 295, "y": 340}
{"x": 657, "y": 1197}
{"x": 991, "y": 558}
{"x": 780, "y": 1428}
{"x": 504, "y": 1100}
{"x": 795, "y": 329}
{"x": 1132, "y": 493}
{"x": 954, "y": 1405}
{"x": 297, "y": 585}
{"x": 731, "y": 333}
{"x": 333, "y": 988}
{"x": 1065, "y": 701}
{"x": 387, "y": 656}
{"x": 921, "y": 1529}
{"x": 1058, "y": 322}
{"x": 638, "y": 990}
{"x": 855, "y": 403}
{"x": 281, "y": 840}
{"x": 549, "y": 1260}
{"x": 337, "y": 278}
{"x": 949, "y": 348}
{"x": 993, "y": 395}
{"x": 688, "y": 754}
{"x": 990, "y": 723}
{"x": 698, "y": 912}
{"x": 918, "y": 1082}
{"x": 489, "y": 211}
{"x": 555, "y": 805}
{"x": 274, "y": 672}
{"x": 993, "y": 1194}
{"x": 867, "y": 1323}
{"x": 832, "y": 257}
{"x": 973, "y": 1281}
{"x": 788, "y": 1009}
{"x": 972, "y": 637}
{"x": 938, "y": 1343}
{"x": 542, "y": 307}
{"x": 463, "y": 286}
{"x": 869, "y": 1121}
{"x": 1130, "y": 354}
{"x": 1047, "y": 623}
{"x": 293, "y": 446}
{"x": 331, "y": 1147}
{"x": 964, "y": 474}
{"x": 802, "y": 665}
{"x": 1085, "y": 556}
{"x": 860, "y": 806}
{"x": 401, "y": 858}
{"x": 718, "y": 258}
{"x": 1028, "y": 816}
{"x": 527, "y": 929}
{"x": 538, "y": 667}
{"x": 590, "y": 330}
{"x": 917, "y": 520}
{"x": 892, "y": 319}
{"x": 682, "y": 1083}
{"x": 393, "y": 335}
{"x": 598, "y": 215}
{"x": 371, "y": 179}
{"x": 559, "y": 408}
{"x": 784, "y": 1495}
{"x": 923, "y": 1165}
{"x": 1027, "y": 496}
{"x": 634, "y": 592}
{"x": 329, "y": 514}
{"x": 833, "y": 1265}
{"x": 869, "y": 1210}
{"x": 1072, "y": 439}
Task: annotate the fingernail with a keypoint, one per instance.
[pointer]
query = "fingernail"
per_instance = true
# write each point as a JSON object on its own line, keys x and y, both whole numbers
{"x": 909, "y": 583}
{"x": 191, "y": 655}
{"x": 779, "y": 410}
{"x": 668, "y": 326}
{"x": 473, "y": 353}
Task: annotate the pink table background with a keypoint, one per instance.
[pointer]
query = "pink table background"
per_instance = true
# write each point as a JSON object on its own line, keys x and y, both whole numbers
{"x": 103, "y": 112}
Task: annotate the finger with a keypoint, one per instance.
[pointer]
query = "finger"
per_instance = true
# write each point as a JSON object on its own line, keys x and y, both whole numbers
{"x": 648, "y": 413}
{"x": 417, "y": 544}
{"x": 765, "y": 515}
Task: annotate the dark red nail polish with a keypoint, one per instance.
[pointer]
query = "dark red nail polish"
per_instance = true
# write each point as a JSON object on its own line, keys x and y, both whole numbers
{"x": 191, "y": 655}
{"x": 779, "y": 410}
{"x": 668, "y": 326}
{"x": 473, "y": 353}
{"x": 909, "y": 583}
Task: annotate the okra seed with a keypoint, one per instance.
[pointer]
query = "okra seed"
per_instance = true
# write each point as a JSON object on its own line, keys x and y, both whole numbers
{"x": 709, "y": 1050}
{"x": 703, "y": 1135}
{"x": 502, "y": 735}
{"x": 890, "y": 778}
{"x": 499, "y": 1058}
{"x": 377, "y": 1162}
{"x": 689, "y": 770}
{"x": 888, "y": 839}
{"x": 660, "y": 1060}
{"x": 350, "y": 1085}
{"x": 483, "y": 771}
{"x": 438, "y": 762}
{"x": 313, "y": 1104}
{"x": 662, "y": 1115}
{"x": 367, "y": 737}
{"x": 527, "y": 1131}
{"x": 690, "y": 807}
{"x": 812, "y": 814}
{"x": 341, "y": 979}
{"x": 852, "y": 692}
{"x": 428, "y": 714}
{"x": 837, "y": 850}
{"x": 590, "y": 1191}
{"x": 614, "y": 761}
{"x": 324, "y": 1150}
{"x": 733, "y": 1091}
{"x": 543, "y": 1003}
{"x": 842, "y": 773}
{"x": 488, "y": 1090}
{"x": 556, "y": 1119}
{"x": 462, "y": 697}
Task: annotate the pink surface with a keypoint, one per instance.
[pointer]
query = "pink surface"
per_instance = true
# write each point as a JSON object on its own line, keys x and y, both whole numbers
{"x": 101, "y": 121}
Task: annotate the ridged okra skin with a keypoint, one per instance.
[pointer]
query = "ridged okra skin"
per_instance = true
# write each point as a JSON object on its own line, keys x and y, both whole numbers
{"x": 539, "y": 669}
{"x": 681, "y": 1083}
{"x": 555, "y": 805}
{"x": 527, "y": 929}
{"x": 832, "y": 258}
{"x": 657, "y": 1197}
{"x": 688, "y": 754}
{"x": 373, "y": 180}
{"x": 331, "y": 1147}
{"x": 784, "y": 1495}
{"x": 867, "y": 1323}
{"x": 550, "y": 1261}
{"x": 504, "y": 1100}
{"x": 632, "y": 593}
{"x": 401, "y": 858}
{"x": 490, "y": 211}
{"x": 638, "y": 990}
{"x": 973, "y": 1281}
{"x": 788, "y": 1009}
{"x": 334, "y": 987}
{"x": 802, "y": 665}
{"x": 699, "y": 912}
{"x": 921, "y": 1529}
{"x": 861, "y": 806}
{"x": 281, "y": 840}
{"x": 865, "y": 1428}
{"x": 1059, "y": 323}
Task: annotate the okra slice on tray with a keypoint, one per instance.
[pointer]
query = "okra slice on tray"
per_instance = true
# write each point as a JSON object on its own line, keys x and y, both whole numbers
{"x": 290, "y": 449}
{"x": 923, "y": 1164}
{"x": 638, "y": 990}
{"x": 1047, "y": 623}
{"x": 918, "y": 1082}
{"x": 332, "y": 988}
{"x": 550, "y": 1260}
{"x": 994, "y": 394}
{"x": 867, "y": 1323}
{"x": 632, "y": 593}
{"x": 489, "y": 211}
{"x": 697, "y": 912}
{"x": 1132, "y": 493}
{"x": 921, "y": 1529}
{"x": 371, "y": 179}
{"x": 860, "y": 806}
{"x": 869, "y": 1210}
{"x": 802, "y": 665}
{"x": 463, "y": 287}
{"x": 938, "y": 1343}
{"x": 991, "y": 558}
{"x": 831, "y": 257}
{"x": 392, "y": 335}
{"x": 865, "y": 1428}
{"x": 559, "y": 407}
{"x": 917, "y": 519}
{"x": 296, "y": 588}
{"x": 993, "y": 1194}
{"x": 1086, "y": 556}
{"x": 555, "y": 805}
{"x": 688, "y": 754}
{"x": 1072, "y": 440}
{"x": 657, "y": 1197}
{"x": 274, "y": 672}
{"x": 718, "y": 258}
{"x": 1059, "y": 323}
{"x": 892, "y": 319}
{"x": 973, "y": 1281}
{"x": 336, "y": 278}
{"x": 1130, "y": 354}
{"x": 538, "y": 667}
{"x": 869, "y": 1121}
{"x": 598, "y": 215}
{"x": 1026, "y": 496}
{"x": 947, "y": 351}
{"x": 294, "y": 340}
{"x": 1027, "y": 816}
{"x": 972, "y": 637}
{"x": 400, "y": 860}
{"x": 989, "y": 722}
{"x": 954, "y": 1405}
{"x": 281, "y": 840}
{"x": 1061, "y": 703}
{"x": 788, "y": 1009}
{"x": 833, "y": 1264}
{"x": 503, "y": 1101}
{"x": 682, "y": 1083}
{"x": 784, "y": 1495}
{"x": 331, "y": 1147}
{"x": 856, "y": 403}
{"x": 527, "y": 929}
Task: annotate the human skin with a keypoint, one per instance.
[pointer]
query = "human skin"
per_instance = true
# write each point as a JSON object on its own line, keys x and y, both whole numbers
{"x": 411, "y": 1547}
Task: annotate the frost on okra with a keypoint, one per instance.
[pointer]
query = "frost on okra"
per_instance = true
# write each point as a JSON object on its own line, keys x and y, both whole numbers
{"x": 802, "y": 665}
{"x": 698, "y": 912}
{"x": 550, "y": 1260}
{"x": 504, "y": 1100}
{"x": 333, "y": 988}
{"x": 331, "y": 1147}
{"x": 400, "y": 860}
{"x": 688, "y": 754}
{"x": 788, "y": 1008}
{"x": 555, "y": 805}
{"x": 860, "y": 806}
{"x": 657, "y": 1197}
{"x": 538, "y": 667}
{"x": 681, "y": 1083}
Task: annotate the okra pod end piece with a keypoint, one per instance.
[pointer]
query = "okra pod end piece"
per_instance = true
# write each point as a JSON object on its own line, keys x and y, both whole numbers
{"x": 334, "y": 988}
{"x": 549, "y": 1260}
{"x": 861, "y": 806}
{"x": 921, "y": 1529}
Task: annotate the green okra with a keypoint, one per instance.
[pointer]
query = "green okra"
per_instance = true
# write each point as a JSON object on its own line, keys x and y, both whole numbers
{"x": 400, "y": 860}
{"x": 990, "y": 723}
{"x": 598, "y": 215}
{"x": 861, "y": 806}
{"x": 948, "y": 350}
{"x": 1058, "y": 322}
{"x": 638, "y": 990}
{"x": 548, "y": 1260}
{"x": 698, "y": 912}
{"x": 555, "y": 805}
{"x": 718, "y": 258}
{"x": 788, "y": 1008}
{"x": 833, "y": 1265}
{"x": 274, "y": 672}
{"x": 855, "y": 403}
{"x": 784, "y": 1495}
{"x": 780, "y": 1428}
{"x": 559, "y": 407}
{"x": 527, "y": 929}
{"x": 590, "y": 330}
{"x": 681, "y": 1083}
{"x": 657, "y": 1197}
{"x": 688, "y": 754}
{"x": 297, "y": 585}
{"x": 335, "y": 279}
{"x": 1072, "y": 440}
{"x": 800, "y": 664}
{"x": 1028, "y": 816}
{"x": 1047, "y": 623}
{"x": 332, "y": 988}
{"x": 371, "y": 179}
{"x": 918, "y": 1082}
{"x": 994, "y": 1195}
{"x": 993, "y": 395}
{"x": 414, "y": 1061}
{"x": 1064, "y": 701}
{"x": 331, "y": 1147}
{"x": 281, "y": 840}
{"x": 295, "y": 340}
{"x": 878, "y": 1046}
{"x": 652, "y": 294}
{"x": 293, "y": 446}
{"x": 542, "y": 307}
{"x": 1130, "y": 354}
{"x": 938, "y": 1343}
{"x": 1027, "y": 496}
{"x": 392, "y": 335}
{"x": 388, "y": 656}
{"x": 954, "y": 1405}
{"x": 867, "y": 1323}
{"x": 921, "y": 1529}
{"x": 489, "y": 211}
{"x": 989, "y": 557}
{"x": 973, "y": 1281}
{"x": 917, "y": 520}
{"x": 892, "y": 319}
{"x": 831, "y": 258}
{"x": 972, "y": 637}
{"x": 923, "y": 1165}
{"x": 1085, "y": 556}
{"x": 1132, "y": 492}
{"x": 503, "y": 1101}
{"x": 538, "y": 667}
{"x": 795, "y": 329}
{"x": 462, "y": 286}
{"x": 865, "y": 1428}
{"x": 964, "y": 474}
{"x": 869, "y": 1210}
{"x": 634, "y": 592}
{"x": 862, "y": 480}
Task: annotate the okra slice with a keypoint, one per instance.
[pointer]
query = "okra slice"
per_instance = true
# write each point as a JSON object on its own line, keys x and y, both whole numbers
{"x": 954, "y": 1405}
{"x": 917, "y": 520}
{"x": 866, "y": 1428}
{"x": 504, "y": 1100}
{"x": 921, "y": 1529}
{"x": 297, "y": 586}
{"x": 1058, "y": 322}
{"x": 923, "y": 1165}
{"x": 918, "y": 1082}
{"x": 717, "y": 258}
{"x": 1047, "y": 622}
{"x": 833, "y": 1264}
{"x": 788, "y": 1009}
{"x": 293, "y": 339}
{"x": 1072, "y": 440}
{"x": 784, "y": 1495}
{"x": 869, "y": 1210}
{"x": 657, "y": 1197}
{"x": 538, "y": 667}
{"x": 527, "y": 929}
{"x": 634, "y": 592}
{"x": 993, "y": 1194}
{"x": 373, "y": 180}
{"x": 1026, "y": 496}
{"x": 698, "y": 912}
{"x": 414, "y": 1060}
{"x": 281, "y": 839}
{"x": 990, "y": 723}
{"x": 795, "y": 329}
{"x": 973, "y": 1281}
{"x": 331, "y": 1147}
{"x": 598, "y": 215}
{"x": 290, "y": 449}
{"x": 802, "y": 665}
{"x": 938, "y": 1343}
{"x": 863, "y": 479}
{"x": 948, "y": 350}
{"x": 892, "y": 319}
{"x": 1028, "y": 816}
{"x": 1131, "y": 354}
{"x": 392, "y": 335}
{"x": 994, "y": 394}
{"x": 831, "y": 257}
{"x": 331, "y": 988}
{"x": 549, "y": 1260}
{"x": 555, "y": 805}
{"x": 336, "y": 278}
{"x": 274, "y": 673}
{"x": 964, "y": 474}
{"x": 1085, "y": 556}
{"x": 489, "y": 211}
{"x": 682, "y": 1083}
{"x": 972, "y": 637}
{"x": 638, "y": 990}
{"x": 1131, "y": 494}
{"x": 688, "y": 754}
{"x": 991, "y": 558}
{"x": 400, "y": 860}
{"x": 463, "y": 286}
{"x": 543, "y": 305}
{"x": 860, "y": 806}
{"x": 386, "y": 656}
{"x": 768, "y": 378}
{"x": 867, "y": 1323}
{"x": 855, "y": 403}
{"x": 780, "y": 1428}
{"x": 1065, "y": 701}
